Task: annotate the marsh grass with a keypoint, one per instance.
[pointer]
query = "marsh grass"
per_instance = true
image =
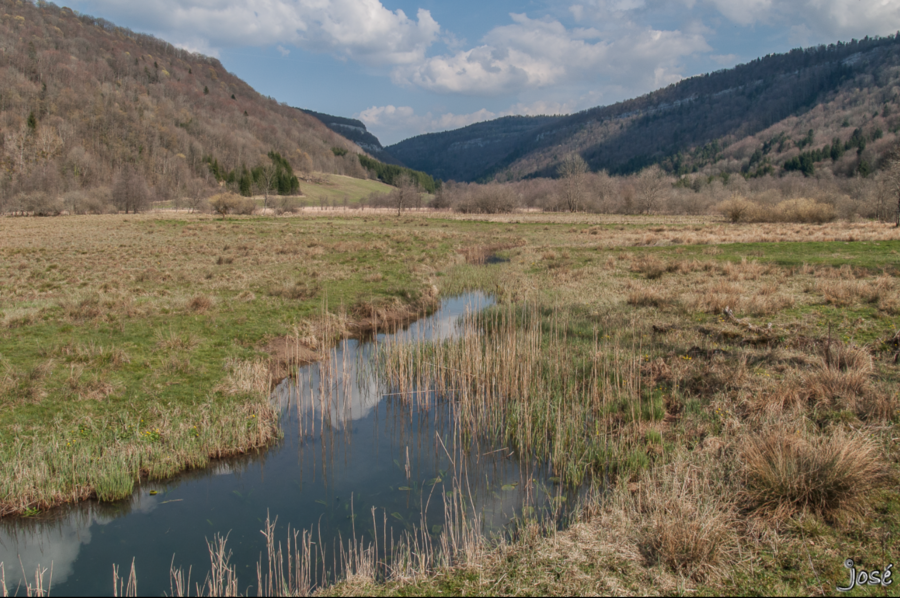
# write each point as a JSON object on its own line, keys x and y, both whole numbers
{"x": 832, "y": 476}
{"x": 725, "y": 452}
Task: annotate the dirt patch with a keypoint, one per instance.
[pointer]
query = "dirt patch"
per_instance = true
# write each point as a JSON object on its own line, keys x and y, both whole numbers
{"x": 367, "y": 318}
{"x": 370, "y": 318}
{"x": 286, "y": 354}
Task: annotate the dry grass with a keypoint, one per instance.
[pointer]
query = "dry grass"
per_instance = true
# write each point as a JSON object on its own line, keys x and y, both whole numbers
{"x": 648, "y": 297}
{"x": 686, "y": 521}
{"x": 739, "y": 209}
{"x": 832, "y": 476}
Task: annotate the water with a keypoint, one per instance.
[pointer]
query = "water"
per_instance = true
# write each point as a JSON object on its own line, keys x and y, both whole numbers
{"x": 346, "y": 450}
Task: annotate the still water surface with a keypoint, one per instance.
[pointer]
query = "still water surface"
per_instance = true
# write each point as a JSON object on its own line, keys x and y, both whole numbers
{"x": 345, "y": 450}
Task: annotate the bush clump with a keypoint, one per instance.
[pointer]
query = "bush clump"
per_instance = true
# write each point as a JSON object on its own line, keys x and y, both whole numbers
{"x": 229, "y": 203}
{"x": 802, "y": 210}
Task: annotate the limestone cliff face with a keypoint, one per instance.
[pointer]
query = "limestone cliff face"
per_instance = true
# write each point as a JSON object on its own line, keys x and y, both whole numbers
{"x": 356, "y": 131}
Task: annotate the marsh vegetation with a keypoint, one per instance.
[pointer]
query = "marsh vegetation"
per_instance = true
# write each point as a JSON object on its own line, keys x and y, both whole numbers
{"x": 725, "y": 394}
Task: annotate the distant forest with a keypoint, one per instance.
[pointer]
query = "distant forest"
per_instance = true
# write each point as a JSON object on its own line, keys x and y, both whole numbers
{"x": 768, "y": 116}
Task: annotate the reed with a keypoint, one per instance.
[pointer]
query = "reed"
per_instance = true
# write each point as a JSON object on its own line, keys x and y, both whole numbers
{"x": 515, "y": 378}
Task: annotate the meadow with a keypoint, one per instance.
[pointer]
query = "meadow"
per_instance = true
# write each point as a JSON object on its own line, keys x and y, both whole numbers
{"x": 727, "y": 391}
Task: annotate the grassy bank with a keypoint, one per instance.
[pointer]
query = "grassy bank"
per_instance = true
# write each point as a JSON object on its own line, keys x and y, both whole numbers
{"x": 137, "y": 346}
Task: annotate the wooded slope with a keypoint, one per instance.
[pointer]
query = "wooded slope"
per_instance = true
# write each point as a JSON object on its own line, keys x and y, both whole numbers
{"x": 753, "y": 118}
{"x": 82, "y": 100}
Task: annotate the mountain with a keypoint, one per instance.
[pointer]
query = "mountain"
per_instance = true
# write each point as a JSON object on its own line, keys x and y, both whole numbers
{"x": 355, "y": 131}
{"x": 837, "y": 104}
{"x": 82, "y": 101}
{"x": 466, "y": 154}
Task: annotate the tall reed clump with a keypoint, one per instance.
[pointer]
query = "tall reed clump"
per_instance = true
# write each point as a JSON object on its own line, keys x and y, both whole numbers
{"x": 304, "y": 563}
{"x": 516, "y": 378}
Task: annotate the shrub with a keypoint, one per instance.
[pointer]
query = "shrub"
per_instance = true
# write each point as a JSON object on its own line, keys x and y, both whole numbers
{"x": 804, "y": 211}
{"x": 229, "y": 203}
{"x": 39, "y": 204}
{"x": 737, "y": 209}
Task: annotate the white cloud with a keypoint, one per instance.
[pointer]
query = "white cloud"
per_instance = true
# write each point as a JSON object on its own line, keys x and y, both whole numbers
{"x": 744, "y": 12}
{"x": 283, "y": 51}
{"x": 831, "y": 19}
{"x": 361, "y": 30}
{"x": 539, "y": 53}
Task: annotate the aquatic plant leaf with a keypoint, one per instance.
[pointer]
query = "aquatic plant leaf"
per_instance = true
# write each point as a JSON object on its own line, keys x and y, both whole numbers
{"x": 322, "y": 502}
{"x": 404, "y": 488}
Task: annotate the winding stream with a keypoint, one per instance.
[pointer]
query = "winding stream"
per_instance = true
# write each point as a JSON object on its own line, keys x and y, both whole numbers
{"x": 347, "y": 449}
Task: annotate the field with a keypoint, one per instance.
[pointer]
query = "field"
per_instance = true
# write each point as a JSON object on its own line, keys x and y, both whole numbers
{"x": 729, "y": 391}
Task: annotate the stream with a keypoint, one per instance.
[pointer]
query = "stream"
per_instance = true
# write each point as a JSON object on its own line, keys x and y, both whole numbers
{"x": 348, "y": 447}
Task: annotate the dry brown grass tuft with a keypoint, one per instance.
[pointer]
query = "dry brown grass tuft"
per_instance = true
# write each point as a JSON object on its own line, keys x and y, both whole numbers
{"x": 298, "y": 291}
{"x": 172, "y": 341}
{"x": 652, "y": 267}
{"x": 200, "y": 304}
{"x": 843, "y": 379}
{"x": 648, "y": 297}
{"x": 246, "y": 377}
{"x": 686, "y": 522}
{"x": 890, "y": 305}
{"x": 830, "y": 475}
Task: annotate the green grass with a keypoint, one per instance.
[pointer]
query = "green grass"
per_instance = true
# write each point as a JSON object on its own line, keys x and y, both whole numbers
{"x": 872, "y": 255}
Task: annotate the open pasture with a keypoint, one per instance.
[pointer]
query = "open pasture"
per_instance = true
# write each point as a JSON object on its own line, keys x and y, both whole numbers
{"x": 730, "y": 391}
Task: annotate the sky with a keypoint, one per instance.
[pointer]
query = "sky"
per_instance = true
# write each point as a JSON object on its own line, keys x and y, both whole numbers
{"x": 407, "y": 67}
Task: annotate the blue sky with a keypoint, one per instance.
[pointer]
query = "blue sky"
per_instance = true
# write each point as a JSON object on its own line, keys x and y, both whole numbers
{"x": 406, "y": 67}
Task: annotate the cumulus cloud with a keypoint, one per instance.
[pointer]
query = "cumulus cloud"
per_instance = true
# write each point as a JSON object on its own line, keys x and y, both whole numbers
{"x": 538, "y": 53}
{"x": 360, "y": 30}
{"x": 830, "y": 18}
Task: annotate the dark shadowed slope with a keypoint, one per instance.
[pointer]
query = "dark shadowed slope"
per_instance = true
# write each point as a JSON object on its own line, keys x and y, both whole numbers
{"x": 467, "y": 153}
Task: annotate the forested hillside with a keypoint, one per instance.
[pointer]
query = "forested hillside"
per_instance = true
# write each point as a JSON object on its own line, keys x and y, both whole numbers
{"x": 835, "y": 106}
{"x": 84, "y": 104}
{"x": 465, "y": 154}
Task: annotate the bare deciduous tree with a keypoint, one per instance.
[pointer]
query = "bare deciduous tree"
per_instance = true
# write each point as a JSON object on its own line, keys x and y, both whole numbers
{"x": 130, "y": 191}
{"x": 268, "y": 173}
{"x": 572, "y": 193}
{"x": 892, "y": 175}
{"x": 650, "y": 189}
{"x": 406, "y": 193}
